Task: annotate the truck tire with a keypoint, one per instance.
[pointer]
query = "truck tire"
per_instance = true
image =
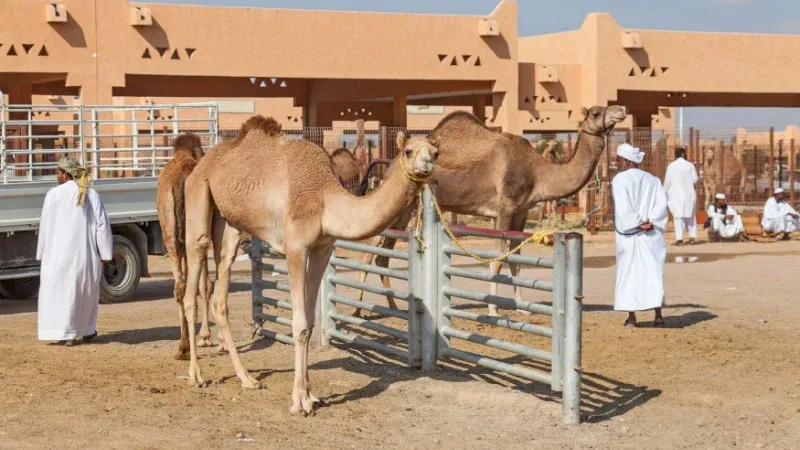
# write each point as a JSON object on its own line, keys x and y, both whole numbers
{"x": 121, "y": 275}
{"x": 22, "y": 288}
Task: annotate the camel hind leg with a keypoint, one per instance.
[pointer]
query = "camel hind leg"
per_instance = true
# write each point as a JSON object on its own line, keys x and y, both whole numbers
{"x": 198, "y": 231}
{"x": 228, "y": 249}
{"x": 204, "y": 336}
{"x": 176, "y": 262}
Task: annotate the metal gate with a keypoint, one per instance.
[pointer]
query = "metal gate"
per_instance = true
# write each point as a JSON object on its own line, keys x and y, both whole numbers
{"x": 110, "y": 141}
{"x": 435, "y": 322}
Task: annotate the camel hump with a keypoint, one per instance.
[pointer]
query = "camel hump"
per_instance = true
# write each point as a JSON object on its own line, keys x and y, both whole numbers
{"x": 187, "y": 142}
{"x": 460, "y": 117}
{"x": 267, "y": 125}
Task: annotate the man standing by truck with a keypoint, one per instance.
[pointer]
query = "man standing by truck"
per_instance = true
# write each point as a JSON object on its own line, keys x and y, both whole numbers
{"x": 75, "y": 241}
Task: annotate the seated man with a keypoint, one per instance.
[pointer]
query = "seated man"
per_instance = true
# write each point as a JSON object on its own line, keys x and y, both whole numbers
{"x": 723, "y": 221}
{"x": 779, "y": 217}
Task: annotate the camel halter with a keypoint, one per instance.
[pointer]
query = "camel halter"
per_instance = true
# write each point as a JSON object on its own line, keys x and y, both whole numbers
{"x": 539, "y": 237}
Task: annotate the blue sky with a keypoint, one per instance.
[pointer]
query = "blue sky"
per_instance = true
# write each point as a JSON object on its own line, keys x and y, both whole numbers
{"x": 539, "y": 16}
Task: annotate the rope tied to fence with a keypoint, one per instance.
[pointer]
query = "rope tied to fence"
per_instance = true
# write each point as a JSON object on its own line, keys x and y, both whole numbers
{"x": 539, "y": 237}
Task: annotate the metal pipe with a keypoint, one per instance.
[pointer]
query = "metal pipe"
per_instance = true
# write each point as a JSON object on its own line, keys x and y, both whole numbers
{"x": 430, "y": 278}
{"x": 3, "y": 140}
{"x": 269, "y": 284}
{"x": 255, "y": 260}
{"x": 572, "y": 329}
{"x": 380, "y": 328}
{"x": 416, "y": 276}
{"x": 461, "y": 231}
{"x": 274, "y": 268}
{"x": 514, "y": 259}
{"x": 327, "y": 307}
{"x": 499, "y": 278}
{"x": 338, "y": 298}
{"x": 358, "y": 340}
{"x": 494, "y": 364}
{"x": 275, "y": 319}
{"x": 559, "y": 289}
{"x": 355, "y": 246}
{"x": 262, "y": 300}
{"x": 443, "y": 343}
{"x": 395, "y": 234}
{"x": 497, "y": 343}
{"x": 285, "y": 338}
{"x": 95, "y": 143}
{"x": 500, "y": 322}
{"x": 380, "y": 290}
{"x": 503, "y": 302}
{"x": 349, "y": 264}
{"x": 30, "y": 144}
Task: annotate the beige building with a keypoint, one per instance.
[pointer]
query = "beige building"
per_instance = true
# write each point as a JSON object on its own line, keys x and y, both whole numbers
{"x": 317, "y": 68}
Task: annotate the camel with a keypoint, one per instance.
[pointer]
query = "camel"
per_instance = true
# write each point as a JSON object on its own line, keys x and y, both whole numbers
{"x": 284, "y": 192}
{"x": 187, "y": 151}
{"x": 350, "y": 166}
{"x": 710, "y": 182}
{"x": 500, "y": 175}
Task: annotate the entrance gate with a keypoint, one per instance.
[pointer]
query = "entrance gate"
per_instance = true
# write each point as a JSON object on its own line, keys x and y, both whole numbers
{"x": 437, "y": 321}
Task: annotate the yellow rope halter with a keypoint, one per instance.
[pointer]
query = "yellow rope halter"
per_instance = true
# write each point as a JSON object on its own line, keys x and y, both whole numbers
{"x": 540, "y": 237}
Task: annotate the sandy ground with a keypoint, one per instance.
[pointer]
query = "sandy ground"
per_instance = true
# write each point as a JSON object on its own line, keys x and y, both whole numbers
{"x": 724, "y": 374}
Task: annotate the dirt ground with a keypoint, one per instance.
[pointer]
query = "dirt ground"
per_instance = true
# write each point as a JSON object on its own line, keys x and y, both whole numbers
{"x": 724, "y": 374}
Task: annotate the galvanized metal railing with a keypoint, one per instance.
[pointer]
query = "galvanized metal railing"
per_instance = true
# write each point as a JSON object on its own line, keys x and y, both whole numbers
{"x": 435, "y": 312}
{"x": 117, "y": 141}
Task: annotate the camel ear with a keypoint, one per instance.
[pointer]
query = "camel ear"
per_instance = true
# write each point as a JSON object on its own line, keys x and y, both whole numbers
{"x": 401, "y": 141}
{"x": 585, "y": 112}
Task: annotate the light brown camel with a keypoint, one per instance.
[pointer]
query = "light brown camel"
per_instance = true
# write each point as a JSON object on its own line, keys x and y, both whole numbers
{"x": 710, "y": 176}
{"x": 284, "y": 192}
{"x": 500, "y": 175}
{"x": 187, "y": 151}
{"x": 350, "y": 166}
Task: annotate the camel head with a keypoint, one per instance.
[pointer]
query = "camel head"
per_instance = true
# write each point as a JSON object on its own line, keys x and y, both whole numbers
{"x": 599, "y": 120}
{"x": 189, "y": 143}
{"x": 418, "y": 155}
{"x": 710, "y": 153}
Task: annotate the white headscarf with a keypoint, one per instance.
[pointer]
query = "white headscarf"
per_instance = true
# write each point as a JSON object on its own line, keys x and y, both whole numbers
{"x": 778, "y": 191}
{"x": 631, "y": 153}
{"x": 720, "y": 196}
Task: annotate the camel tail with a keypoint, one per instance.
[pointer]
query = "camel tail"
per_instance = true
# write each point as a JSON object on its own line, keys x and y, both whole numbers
{"x": 362, "y": 187}
{"x": 180, "y": 220}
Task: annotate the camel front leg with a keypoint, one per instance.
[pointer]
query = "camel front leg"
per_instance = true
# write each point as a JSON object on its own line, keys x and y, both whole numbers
{"x": 517, "y": 224}
{"x": 503, "y": 222}
{"x": 305, "y": 273}
{"x": 228, "y": 248}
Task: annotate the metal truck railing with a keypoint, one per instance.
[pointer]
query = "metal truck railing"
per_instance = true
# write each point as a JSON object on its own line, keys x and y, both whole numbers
{"x": 110, "y": 141}
{"x": 436, "y": 320}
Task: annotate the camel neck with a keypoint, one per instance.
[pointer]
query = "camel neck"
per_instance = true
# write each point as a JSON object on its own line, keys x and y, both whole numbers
{"x": 555, "y": 181}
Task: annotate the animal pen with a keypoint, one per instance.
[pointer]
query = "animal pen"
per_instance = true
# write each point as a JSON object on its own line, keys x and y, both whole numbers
{"x": 431, "y": 328}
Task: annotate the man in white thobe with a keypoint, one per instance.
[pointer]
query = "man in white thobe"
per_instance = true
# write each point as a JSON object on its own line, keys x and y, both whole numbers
{"x": 679, "y": 184}
{"x": 723, "y": 221}
{"x": 779, "y": 217}
{"x": 640, "y": 219}
{"x": 75, "y": 241}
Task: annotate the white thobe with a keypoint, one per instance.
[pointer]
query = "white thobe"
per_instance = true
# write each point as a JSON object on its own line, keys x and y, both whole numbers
{"x": 679, "y": 184}
{"x": 776, "y": 218}
{"x": 639, "y": 197}
{"x": 721, "y": 225}
{"x": 73, "y": 240}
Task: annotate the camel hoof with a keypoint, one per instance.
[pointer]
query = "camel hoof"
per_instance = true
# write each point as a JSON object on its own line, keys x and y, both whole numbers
{"x": 222, "y": 349}
{"x": 182, "y": 356}
{"x": 304, "y": 404}
{"x": 204, "y": 342}
{"x": 197, "y": 382}
{"x": 251, "y": 383}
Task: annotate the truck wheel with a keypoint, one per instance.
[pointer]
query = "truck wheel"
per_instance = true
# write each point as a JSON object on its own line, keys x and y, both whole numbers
{"x": 22, "y": 288}
{"x": 120, "y": 275}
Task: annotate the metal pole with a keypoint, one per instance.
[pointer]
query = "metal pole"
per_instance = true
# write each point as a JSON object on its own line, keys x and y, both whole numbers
{"x": 721, "y": 157}
{"x": 255, "y": 258}
{"x": 416, "y": 311}
{"x": 780, "y": 163}
{"x": 175, "y": 123}
{"x": 30, "y": 143}
{"x": 326, "y": 306}
{"x": 771, "y": 160}
{"x": 152, "y": 131}
{"x": 95, "y": 142}
{"x": 430, "y": 260}
{"x": 692, "y": 155}
{"x": 559, "y": 289}
{"x": 135, "y": 142}
{"x": 3, "y": 140}
{"x": 573, "y": 324}
{"x": 791, "y": 171}
{"x": 443, "y": 322}
{"x": 82, "y": 135}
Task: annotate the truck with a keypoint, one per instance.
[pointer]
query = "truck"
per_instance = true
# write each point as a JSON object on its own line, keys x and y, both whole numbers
{"x": 123, "y": 147}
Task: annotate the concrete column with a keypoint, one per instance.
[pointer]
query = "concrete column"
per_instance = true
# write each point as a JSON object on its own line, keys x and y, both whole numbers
{"x": 399, "y": 114}
{"x": 479, "y": 108}
{"x": 20, "y": 94}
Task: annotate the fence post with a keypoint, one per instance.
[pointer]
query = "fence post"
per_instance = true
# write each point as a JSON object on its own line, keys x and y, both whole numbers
{"x": 791, "y": 171}
{"x": 384, "y": 135}
{"x": 443, "y": 321}
{"x": 559, "y": 289}
{"x": 95, "y": 142}
{"x": 720, "y": 154}
{"x": 326, "y": 306}
{"x": 416, "y": 276}
{"x": 771, "y": 160}
{"x": 255, "y": 260}
{"x": 780, "y": 163}
{"x": 430, "y": 261}
{"x": 692, "y": 154}
{"x": 573, "y": 324}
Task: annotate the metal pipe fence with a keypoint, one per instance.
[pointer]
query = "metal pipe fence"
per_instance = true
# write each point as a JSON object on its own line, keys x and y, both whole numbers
{"x": 435, "y": 326}
{"x": 110, "y": 141}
